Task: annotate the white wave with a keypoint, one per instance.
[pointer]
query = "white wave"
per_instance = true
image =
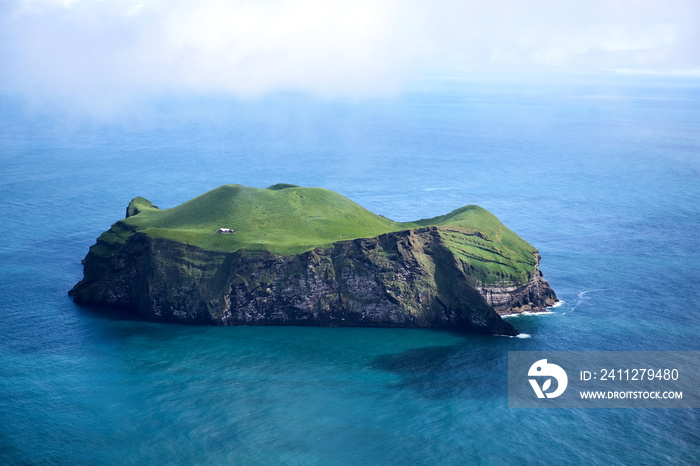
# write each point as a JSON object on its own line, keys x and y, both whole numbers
{"x": 520, "y": 335}
{"x": 527, "y": 313}
{"x": 555, "y": 305}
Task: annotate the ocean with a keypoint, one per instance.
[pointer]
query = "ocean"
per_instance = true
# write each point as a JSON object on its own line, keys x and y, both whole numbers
{"x": 600, "y": 173}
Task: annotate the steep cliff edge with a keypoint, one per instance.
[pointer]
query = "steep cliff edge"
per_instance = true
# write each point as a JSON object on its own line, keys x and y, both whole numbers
{"x": 456, "y": 271}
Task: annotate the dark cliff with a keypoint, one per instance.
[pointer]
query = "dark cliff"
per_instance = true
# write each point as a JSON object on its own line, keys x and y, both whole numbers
{"x": 400, "y": 279}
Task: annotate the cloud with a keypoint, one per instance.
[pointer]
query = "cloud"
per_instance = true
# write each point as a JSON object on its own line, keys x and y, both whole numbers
{"x": 109, "y": 51}
{"x": 569, "y": 35}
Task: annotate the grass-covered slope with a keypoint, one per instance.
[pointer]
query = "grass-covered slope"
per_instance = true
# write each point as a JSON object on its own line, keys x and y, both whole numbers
{"x": 286, "y": 219}
{"x": 491, "y": 251}
{"x": 283, "y": 221}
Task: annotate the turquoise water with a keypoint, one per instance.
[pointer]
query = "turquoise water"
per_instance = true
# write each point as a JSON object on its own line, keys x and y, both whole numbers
{"x": 602, "y": 175}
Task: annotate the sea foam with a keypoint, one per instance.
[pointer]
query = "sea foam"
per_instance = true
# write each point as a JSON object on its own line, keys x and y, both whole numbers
{"x": 527, "y": 313}
{"x": 520, "y": 335}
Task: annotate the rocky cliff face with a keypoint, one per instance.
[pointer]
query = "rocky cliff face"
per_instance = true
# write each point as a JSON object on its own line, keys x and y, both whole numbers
{"x": 514, "y": 298}
{"x": 409, "y": 278}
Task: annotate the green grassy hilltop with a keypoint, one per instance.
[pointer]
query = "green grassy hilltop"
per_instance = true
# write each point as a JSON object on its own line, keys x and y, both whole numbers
{"x": 286, "y": 219}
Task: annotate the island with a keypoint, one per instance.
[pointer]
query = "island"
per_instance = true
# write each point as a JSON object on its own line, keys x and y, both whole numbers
{"x": 288, "y": 255}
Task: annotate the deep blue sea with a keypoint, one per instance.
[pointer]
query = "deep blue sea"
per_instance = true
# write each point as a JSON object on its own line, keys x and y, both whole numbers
{"x": 600, "y": 173}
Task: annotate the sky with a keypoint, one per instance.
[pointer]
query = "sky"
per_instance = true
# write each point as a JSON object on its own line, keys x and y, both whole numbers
{"x": 111, "y": 50}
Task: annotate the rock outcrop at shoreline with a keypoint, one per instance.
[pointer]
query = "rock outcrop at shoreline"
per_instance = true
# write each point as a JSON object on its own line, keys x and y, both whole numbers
{"x": 426, "y": 276}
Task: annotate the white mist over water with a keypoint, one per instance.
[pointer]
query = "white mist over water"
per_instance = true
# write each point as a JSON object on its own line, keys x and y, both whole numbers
{"x": 97, "y": 55}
